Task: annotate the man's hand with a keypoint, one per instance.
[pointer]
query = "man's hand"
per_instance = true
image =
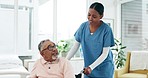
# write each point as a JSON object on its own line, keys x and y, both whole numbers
{"x": 87, "y": 70}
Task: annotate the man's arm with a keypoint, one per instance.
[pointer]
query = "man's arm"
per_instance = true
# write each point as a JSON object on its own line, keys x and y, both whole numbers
{"x": 33, "y": 71}
{"x": 68, "y": 70}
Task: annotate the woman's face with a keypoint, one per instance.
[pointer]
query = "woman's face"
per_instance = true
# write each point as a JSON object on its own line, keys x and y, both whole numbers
{"x": 50, "y": 53}
{"x": 93, "y": 16}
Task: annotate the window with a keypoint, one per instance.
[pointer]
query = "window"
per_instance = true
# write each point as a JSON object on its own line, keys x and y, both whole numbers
{"x": 69, "y": 17}
{"x": 59, "y": 19}
{"x": 16, "y": 21}
{"x": 46, "y": 21}
{"x": 70, "y": 14}
{"x": 134, "y": 25}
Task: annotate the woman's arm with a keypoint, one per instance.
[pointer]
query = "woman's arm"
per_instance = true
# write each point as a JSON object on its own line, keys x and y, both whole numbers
{"x": 103, "y": 56}
{"x": 73, "y": 50}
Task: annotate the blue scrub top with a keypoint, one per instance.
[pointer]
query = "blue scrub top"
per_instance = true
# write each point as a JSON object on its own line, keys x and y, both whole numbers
{"x": 92, "y": 46}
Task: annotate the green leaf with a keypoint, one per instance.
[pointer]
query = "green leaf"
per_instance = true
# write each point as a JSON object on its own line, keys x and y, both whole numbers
{"x": 120, "y": 57}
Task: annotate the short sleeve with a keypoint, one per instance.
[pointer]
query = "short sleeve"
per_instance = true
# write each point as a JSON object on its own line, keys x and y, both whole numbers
{"x": 109, "y": 38}
{"x": 77, "y": 35}
{"x": 79, "y": 32}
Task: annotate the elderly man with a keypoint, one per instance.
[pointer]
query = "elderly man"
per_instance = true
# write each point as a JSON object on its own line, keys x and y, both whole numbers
{"x": 50, "y": 66}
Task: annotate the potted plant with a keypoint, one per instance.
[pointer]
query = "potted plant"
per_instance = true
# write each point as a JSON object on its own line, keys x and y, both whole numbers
{"x": 64, "y": 46}
{"x": 120, "y": 57}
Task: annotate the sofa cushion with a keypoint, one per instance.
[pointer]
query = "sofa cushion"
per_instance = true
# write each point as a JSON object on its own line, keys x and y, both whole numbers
{"x": 139, "y": 71}
{"x": 137, "y": 61}
{"x": 133, "y": 75}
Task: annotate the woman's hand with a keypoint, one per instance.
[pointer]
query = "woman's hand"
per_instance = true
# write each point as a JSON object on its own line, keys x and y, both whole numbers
{"x": 87, "y": 70}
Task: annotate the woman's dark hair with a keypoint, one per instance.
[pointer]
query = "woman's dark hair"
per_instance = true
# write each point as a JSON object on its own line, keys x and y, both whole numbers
{"x": 98, "y": 7}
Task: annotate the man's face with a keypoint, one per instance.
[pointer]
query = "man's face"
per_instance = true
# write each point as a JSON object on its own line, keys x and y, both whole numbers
{"x": 49, "y": 51}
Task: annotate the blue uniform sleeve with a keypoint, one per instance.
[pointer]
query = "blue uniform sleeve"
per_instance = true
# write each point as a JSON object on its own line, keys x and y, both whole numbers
{"x": 77, "y": 35}
{"x": 109, "y": 38}
{"x": 79, "y": 32}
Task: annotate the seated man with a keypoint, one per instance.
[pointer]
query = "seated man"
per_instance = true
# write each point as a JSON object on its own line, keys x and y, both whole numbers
{"x": 50, "y": 66}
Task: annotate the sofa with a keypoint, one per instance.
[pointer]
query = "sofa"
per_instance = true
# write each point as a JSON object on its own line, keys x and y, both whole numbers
{"x": 125, "y": 71}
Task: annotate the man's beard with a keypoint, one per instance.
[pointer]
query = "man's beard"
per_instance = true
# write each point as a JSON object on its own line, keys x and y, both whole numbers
{"x": 54, "y": 57}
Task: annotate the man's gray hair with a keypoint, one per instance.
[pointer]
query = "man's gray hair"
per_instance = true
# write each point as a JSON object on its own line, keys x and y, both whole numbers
{"x": 41, "y": 44}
